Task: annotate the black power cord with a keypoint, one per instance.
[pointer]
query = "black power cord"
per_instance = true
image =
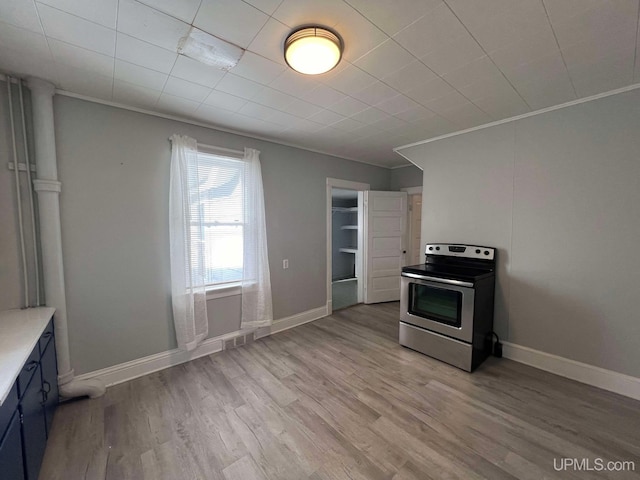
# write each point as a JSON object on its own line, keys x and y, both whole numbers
{"x": 497, "y": 347}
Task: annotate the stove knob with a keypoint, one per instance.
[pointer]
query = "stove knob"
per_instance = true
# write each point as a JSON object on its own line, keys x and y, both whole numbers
{"x": 437, "y": 248}
{"x": 430, "y": 248}
{"x": 486, "y": 252}
{"x": 478, "y": 251}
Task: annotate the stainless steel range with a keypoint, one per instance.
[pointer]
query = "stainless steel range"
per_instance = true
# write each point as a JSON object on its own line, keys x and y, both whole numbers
{"x": 446, "y": 304}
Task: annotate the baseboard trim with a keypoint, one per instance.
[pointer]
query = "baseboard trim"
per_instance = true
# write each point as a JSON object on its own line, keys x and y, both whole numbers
{"x": 581, "y": 372}
{"x": 293, "y": 321}
{"x": 124, "y": 372}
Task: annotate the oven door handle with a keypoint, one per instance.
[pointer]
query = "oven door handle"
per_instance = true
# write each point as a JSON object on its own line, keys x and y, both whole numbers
{"x": 438, "y": 279}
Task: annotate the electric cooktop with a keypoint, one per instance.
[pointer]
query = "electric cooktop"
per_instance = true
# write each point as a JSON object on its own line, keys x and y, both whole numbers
{"x": 451, "y": 272}
{"x": 465, "y": 263}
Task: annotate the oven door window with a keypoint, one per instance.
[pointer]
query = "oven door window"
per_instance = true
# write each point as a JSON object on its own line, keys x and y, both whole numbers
{"x": 437, "y": 304}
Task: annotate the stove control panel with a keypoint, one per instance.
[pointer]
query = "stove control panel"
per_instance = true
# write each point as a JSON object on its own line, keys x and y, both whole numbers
{"x": 457, "y": 250}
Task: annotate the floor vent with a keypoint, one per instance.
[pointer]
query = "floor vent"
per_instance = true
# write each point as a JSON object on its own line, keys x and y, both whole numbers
{"x": 239, "y": 341}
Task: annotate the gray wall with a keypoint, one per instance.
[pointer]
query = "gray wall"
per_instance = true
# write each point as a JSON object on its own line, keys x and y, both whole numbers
{"x": 114, "y": 168}
{"x": 409, "y": 176}
{"x": 559, "y": 195}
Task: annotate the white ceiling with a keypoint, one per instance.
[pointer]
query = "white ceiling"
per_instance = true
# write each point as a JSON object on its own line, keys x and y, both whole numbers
{"x": 412, "y": 69}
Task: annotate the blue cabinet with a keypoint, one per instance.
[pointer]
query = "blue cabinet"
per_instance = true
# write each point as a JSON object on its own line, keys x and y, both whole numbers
{"x": 49, "y": 382}
{"x": 34, "y": 429}
{"x": 26, "y": 414}
{"x": 8, "y": 408}
{"x": 11, "y": 450}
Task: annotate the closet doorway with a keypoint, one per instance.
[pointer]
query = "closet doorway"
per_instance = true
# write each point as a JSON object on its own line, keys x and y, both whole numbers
{"x": 415, "y": 253}
{"x": 344, "y": 243}
{"x": 345, "y": 258}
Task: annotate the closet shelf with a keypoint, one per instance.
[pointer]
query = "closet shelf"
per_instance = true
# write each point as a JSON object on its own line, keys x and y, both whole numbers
{"x": 349, "y": 250}
{"x": 349, "y": 227}
{"x": 344, "y": 209}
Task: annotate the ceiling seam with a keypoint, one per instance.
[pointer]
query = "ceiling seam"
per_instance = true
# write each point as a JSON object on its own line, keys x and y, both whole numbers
{"x": 162, "y": 91}
{"x": 164, "y": 85}
{"x": 392, "y": 38}
{"x": 191, "y": 24}
{"x": 555, "y": 37}
{"x": 381, "y": 80}
{"x": 436, "y": 114}
{"x": 130, "y": 63}
{"x": 454, "y": 88}
{"x": 166, "y": 13}
{"x": 46, "y": 40}
{"x": 197, "y": 12}
{"x": 417, "y": 126}
{"x": 143, "y": 41}
{"x": 352, "y": 63}
{"x": 488, "y": 56}
{"x": 373, "y": 24}
{"x": 441, "y": 77}
{"x": 35, "y": 6}
{"x": 368, "y": 105}
{"x": 257, "y": 33}
{"x": 72, "y": 15}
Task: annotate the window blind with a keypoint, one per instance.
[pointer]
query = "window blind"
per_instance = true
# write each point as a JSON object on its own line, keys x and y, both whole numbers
{"x": 217, "y": 216}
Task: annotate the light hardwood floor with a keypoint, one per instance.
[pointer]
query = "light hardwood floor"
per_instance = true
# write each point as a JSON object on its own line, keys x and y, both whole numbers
{"x": 340, "y": 399}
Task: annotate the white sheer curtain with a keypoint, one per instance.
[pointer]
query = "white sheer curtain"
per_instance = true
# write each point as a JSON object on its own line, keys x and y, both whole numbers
{"x": 257, "y": 309}
{"x": 188, "y": 294}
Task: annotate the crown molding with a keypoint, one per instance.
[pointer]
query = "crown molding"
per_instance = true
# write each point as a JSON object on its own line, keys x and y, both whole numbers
{"x": 212, "y": 126}
{"x": 591, "y": 98}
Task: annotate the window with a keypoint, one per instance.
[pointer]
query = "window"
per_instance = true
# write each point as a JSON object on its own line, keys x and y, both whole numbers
{"x": 218, "y": 218}
{"x": 217, "y": 236}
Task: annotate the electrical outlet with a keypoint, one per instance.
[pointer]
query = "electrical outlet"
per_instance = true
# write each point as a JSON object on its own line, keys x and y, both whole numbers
{"x": 285, "y": 264}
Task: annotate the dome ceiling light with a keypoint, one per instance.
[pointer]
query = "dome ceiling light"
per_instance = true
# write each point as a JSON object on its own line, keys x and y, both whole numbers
{"x": 312, "y": 50}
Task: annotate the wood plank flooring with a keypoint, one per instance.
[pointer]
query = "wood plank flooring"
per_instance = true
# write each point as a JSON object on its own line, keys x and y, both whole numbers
{"x": 340, "y": 399}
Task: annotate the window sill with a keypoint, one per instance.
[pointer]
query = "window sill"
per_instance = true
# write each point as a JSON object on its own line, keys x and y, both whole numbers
{"x": 221, "y": 291}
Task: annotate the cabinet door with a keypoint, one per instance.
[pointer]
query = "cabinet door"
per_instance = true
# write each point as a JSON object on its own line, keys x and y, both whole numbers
{"x": 11, "y": 466}
{"x": 34, "y": 432}
{"x": 8, "y": 408}
{"x": 49, "y": 382}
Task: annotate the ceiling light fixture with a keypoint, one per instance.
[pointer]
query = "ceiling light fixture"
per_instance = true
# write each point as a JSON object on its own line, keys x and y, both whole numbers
{"x": 312, "y": 50}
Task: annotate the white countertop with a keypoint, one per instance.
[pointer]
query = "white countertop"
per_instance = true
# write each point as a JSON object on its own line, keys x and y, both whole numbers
{"x": 20, "y": 331}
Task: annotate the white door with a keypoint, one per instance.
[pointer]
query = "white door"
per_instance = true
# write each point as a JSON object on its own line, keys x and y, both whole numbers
{"x": 385, "y": 218}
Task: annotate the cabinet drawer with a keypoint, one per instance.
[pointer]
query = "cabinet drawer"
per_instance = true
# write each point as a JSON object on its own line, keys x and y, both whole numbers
{"x": 28, "y": 370}
{"x": 46, "y": 337}
{"x": 6, "y": 410}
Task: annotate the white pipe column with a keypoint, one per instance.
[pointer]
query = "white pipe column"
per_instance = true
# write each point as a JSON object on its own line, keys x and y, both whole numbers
{"x": 48, "y": 188}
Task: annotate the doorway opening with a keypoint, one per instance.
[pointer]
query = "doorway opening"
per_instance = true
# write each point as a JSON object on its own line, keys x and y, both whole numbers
{"x": 344, "y": 243}
{"x": 415, "y": 253}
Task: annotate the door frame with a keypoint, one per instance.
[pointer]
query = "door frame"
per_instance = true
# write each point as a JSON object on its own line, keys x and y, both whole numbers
{"x": 348, "y": 185}
{"x": 411, "y": 191}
